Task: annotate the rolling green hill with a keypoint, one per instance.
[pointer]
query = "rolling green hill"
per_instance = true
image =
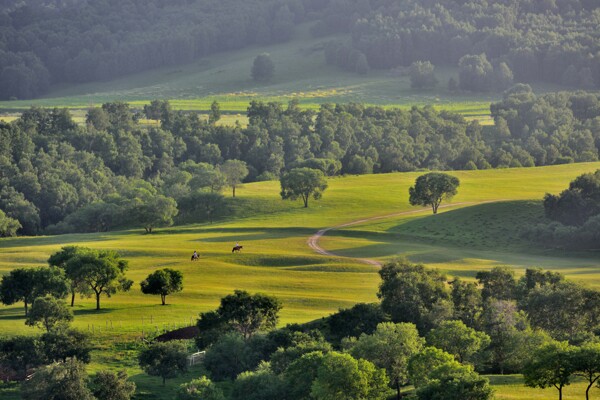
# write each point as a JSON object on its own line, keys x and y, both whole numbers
{"x": 276, "y": 259}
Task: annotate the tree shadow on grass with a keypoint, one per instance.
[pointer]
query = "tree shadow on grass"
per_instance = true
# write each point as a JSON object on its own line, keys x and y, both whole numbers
{"x": 12, "y": 314}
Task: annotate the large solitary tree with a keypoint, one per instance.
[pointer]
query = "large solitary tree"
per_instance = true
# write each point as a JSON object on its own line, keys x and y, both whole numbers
{"x": 163, "y": 282}
{"x": 304, "y": 183}
{"x": 550, "y": 365}
{"x": 432, "y": 188}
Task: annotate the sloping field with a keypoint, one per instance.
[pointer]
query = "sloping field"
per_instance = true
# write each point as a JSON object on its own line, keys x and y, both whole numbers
{"x": 276, "y": 259}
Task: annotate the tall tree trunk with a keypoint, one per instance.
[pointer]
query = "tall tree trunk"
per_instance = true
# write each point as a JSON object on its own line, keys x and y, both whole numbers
{"x": 72, "y": 297}
{"x": 25, "y": 307}
{"x": 233, "y": 190}
{"x": 162, "y": 298}
{"x": 560, "y": 393}
{"x": 97, "y": 301}
{"x": 398, "y": 395}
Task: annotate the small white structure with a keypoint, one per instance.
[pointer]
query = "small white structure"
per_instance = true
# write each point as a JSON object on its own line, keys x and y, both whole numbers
{"x": 196, "y": 358}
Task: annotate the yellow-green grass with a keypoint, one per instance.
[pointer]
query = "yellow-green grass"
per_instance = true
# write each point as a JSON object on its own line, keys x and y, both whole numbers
{"x": 277, "y": 261}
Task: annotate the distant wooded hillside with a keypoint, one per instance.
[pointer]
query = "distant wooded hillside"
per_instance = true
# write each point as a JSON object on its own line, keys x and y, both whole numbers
{"x": 46, "y": 42}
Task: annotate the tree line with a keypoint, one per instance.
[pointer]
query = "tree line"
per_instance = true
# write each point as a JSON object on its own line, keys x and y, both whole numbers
{"x": 112, "y": 172}
{"x": 552, "y": 41}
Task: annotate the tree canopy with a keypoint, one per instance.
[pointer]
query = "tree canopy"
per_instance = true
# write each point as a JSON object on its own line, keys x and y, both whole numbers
{"x": 163, "y": 282}
{"x": 304, "y": 183}
{"x": 432, "y": 188}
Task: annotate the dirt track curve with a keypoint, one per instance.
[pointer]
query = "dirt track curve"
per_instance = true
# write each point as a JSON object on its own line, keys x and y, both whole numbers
{"x": 313, "y": 241}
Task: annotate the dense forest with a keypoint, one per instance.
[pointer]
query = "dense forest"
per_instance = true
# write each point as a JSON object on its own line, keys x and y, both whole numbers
{"x": 58, "y": 176}
{"x": 52, "y": 41}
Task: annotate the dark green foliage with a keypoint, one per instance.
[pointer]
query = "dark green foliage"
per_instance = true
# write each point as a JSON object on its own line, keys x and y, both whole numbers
{"x": 107, "y": 385}
{"x": 120, "y": 174}
{"x": 20, "y": 353}
{"x": 59, "y": 381}
{"x": 300, "y": 344}
{"x": 263, "y": 68}
{"x": 49, "y": 313}
{"x": 548, "y": 41}
{"x": 499, "y": 283}
{"x": 163, "y": 282}
{"x": 97, "y": 271}
{"x": 64, "y": 344}
{"x": 164, "y": 359}
{"x": 422, "y": 75}
{"x": 453, "y": 381}
{"x": 565, "y": 310}
{"x": 230, "y": 356}
{"x": 346, "y": 57}
{"x": 352, "y": 322}
{"x": 26, "y": 284}
{"x": 92, "y": 42}
{"x": 410, "y": 292}
{"x": 432, "y": 188}
{"x": 303, "y": 183}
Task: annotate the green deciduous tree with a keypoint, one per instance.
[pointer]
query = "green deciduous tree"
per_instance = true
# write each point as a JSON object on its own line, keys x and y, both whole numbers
{"x": 26, "y": 284}
{"x": 585, "y": 361}
{"x": 60, "y": 259}
{"x": 304, "y": 183}
{"x": 163, "y": 282}
{"x": 164, "y": 359}
{"x": 263, "y": 68}
{"x": 422, "y": 364}
{"x": 49, "y": 313}
{"x": 234, "y": 172}
{"x": 101, "y": 271}
{"x": 215, "y": 113}
{"x": 422, "y": 75}
{"x": 199, "y": 389}
{"x": 245, "y": 313}
{"x": 8, "y": 226}
{"x": 155, "y": 211}
{"x": 432, "y": 188}
{"x": 452, "y": 381}
{"x": 341, "y": 377}
{"x": 61, "y": 345}
{"x": 261, "y": 384}
{"x": 390, "y": 347}
{"x": 108, "y": 385}
{"x": 499, "y": 283}
{"x": 59, "y": 381}
{"x": 550, "y": 365}
{"x": 410, "y": 292}
{"x": 20, "y": 353}
{"x": 459, "y": 340}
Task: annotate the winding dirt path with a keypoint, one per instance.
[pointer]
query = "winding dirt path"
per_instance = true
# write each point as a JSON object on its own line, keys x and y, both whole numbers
{"x": 313, "y": 241}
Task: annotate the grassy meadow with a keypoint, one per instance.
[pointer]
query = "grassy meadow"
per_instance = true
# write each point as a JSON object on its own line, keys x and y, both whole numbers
{"x": 480, "y": 231}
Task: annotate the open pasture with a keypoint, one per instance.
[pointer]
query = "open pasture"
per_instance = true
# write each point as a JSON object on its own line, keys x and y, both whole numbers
{"x": 480, "y": 231}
